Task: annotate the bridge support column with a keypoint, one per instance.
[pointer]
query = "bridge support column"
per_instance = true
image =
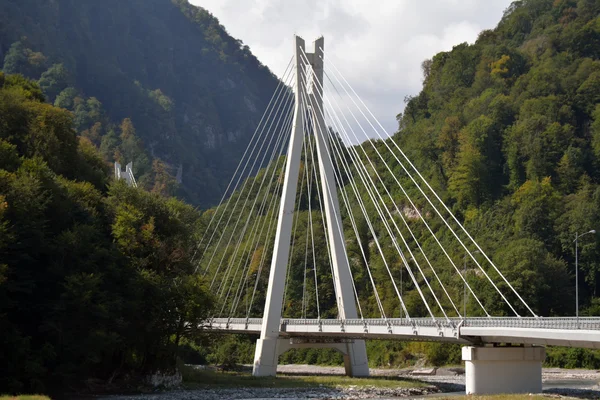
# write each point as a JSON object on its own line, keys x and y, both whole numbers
{"x": 355, "y": 359}
{"x": 494, "y": 370}
{"x": 266, "y": 357}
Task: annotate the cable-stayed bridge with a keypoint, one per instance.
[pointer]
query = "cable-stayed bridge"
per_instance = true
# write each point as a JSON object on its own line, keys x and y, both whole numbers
{"x": 326, "y": 237}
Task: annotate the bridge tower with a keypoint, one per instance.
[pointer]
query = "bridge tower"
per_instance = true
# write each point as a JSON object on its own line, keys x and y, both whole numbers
{"x": 126, "y": 175}
{"x": 270, "y": 346}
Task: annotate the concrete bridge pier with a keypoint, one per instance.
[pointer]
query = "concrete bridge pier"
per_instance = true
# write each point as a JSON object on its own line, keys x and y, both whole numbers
{"x": 494, "y": 370}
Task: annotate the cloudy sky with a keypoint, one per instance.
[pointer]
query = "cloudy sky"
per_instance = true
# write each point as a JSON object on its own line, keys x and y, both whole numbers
{"x": 378, "y": 45}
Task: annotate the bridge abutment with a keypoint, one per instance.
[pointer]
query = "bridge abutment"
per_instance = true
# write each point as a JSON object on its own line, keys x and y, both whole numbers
{"x": 494, "y": 370}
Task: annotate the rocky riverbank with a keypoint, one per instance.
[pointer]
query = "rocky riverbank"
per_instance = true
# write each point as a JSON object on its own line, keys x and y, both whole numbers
{"x": 581, "y": 384}
{"x": 349, "y": 393}
{"x": 450, "y": 379}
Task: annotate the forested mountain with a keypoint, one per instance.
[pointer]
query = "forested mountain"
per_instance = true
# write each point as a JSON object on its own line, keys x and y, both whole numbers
{"x": 507, "y": 130}
{"x": 156, "y": 82}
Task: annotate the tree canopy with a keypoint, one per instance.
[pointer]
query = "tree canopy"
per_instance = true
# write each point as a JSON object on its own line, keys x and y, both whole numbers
{"x": 95, "y": 276}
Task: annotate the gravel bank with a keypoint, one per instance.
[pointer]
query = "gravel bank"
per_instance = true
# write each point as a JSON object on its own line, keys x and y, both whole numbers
{"x": 290, "y": 394}
{"x": 580, "y": 384}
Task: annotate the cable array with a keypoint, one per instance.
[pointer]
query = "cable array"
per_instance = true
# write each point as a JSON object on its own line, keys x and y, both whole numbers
{"x": 367, "y": 167}
{"x": 397, "y": 235}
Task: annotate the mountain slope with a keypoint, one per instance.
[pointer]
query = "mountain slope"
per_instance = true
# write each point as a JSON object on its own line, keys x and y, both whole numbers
{"x": 193, "y": 93}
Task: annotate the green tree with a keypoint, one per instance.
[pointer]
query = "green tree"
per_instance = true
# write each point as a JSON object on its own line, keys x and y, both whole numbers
{"x": 474, "y": 180}
{"x": 66, "y": 98}
{"x": 537, "y": 205}
{"x": 596, "y": 131}
{"x": 54, "y": 81}
{"x": 537, "y": 275}
{"x": 21, "y": 60}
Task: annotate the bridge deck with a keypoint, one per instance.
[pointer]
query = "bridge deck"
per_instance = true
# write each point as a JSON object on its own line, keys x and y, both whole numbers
{"x": 571, "y": 332}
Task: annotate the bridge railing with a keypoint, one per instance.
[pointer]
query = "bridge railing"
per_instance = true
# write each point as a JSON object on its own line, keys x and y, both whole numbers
{"x": 375, "y": 322}
{"x": 569, "y": 323}
{"x": 424, "y": 322}
{"x": 587, "y": 323}
{"x": 238, "y": 321}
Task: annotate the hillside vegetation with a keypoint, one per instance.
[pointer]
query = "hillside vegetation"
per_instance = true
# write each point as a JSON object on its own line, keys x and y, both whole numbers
{"x": 168, "y": 69}
{"x": 507, "y": 130}
{"x": 95, "y": 277}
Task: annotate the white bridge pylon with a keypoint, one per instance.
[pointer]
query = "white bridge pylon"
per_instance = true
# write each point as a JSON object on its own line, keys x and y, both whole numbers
{"x": 270, "y": 346}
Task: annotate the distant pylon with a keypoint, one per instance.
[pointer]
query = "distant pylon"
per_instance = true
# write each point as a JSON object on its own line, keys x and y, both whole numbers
{"x": 126, "y": 175}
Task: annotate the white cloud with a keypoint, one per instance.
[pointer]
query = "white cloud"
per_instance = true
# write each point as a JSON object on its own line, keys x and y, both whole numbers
{"x": 378, "y": 45}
